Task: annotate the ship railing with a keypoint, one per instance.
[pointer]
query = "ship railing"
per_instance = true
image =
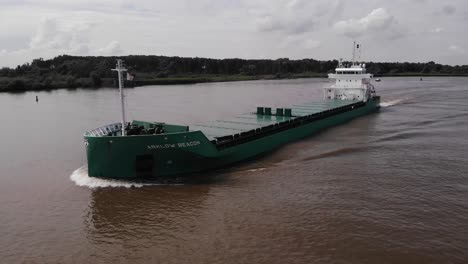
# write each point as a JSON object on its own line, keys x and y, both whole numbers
{"x": 108, "y": 130}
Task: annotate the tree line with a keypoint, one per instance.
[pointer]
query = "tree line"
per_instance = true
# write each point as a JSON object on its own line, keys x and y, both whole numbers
{"x": 94, "y": 71}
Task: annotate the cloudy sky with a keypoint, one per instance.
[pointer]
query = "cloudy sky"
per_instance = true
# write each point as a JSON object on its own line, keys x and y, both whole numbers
{"x": 396, "y": 30}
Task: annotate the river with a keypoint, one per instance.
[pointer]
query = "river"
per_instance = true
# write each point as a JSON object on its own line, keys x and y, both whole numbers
{"x": 390, "y": 187}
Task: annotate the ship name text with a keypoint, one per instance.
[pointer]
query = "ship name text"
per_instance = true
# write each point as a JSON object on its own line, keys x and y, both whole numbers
{"x": 175, "y": 145}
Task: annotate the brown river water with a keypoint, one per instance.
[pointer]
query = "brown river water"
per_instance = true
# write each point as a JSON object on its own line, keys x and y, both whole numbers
{"x": 390, "y": 187}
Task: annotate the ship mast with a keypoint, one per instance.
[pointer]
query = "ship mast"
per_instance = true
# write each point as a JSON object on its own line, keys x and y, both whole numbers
{"x": 119, "y": 69}
{"x": 356, "y": 53}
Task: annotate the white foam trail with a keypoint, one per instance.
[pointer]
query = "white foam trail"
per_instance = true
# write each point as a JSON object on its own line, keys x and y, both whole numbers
{"x": 81, "y": 178}
{"x": 391, "y": 103}
{"x": 259, "y": 169}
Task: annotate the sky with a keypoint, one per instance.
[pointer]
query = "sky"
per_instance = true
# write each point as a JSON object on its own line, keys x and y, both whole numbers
{"x": 388, "y": 31}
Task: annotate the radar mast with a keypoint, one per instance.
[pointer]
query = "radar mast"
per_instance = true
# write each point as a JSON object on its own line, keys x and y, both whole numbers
{"x": 120, "y": 69}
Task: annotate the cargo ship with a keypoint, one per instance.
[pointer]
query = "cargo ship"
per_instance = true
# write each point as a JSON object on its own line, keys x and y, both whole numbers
{"x": 147, "y": 150}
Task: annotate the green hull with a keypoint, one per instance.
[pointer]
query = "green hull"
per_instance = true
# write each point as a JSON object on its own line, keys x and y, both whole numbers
{"x": 177, "y": 152}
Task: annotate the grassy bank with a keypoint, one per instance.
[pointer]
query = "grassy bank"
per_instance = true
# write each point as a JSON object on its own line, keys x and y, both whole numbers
{"x": 192, "y": 79}
{"x": 56, "y": 81}
{"x": 19, "y": 84}
{"x": 418, "y": 74}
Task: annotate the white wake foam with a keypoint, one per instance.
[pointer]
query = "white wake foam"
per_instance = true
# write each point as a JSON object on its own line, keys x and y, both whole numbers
{"x": 391, "y": 103}
{"x": 81, "y": 178}
{"x": 259, "y": 169}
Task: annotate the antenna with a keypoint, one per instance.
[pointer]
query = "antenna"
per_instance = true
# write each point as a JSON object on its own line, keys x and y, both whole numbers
{"x": 358, "y": 48}
{"x": 354, "y": 53}
{"x": 119, "y": 69}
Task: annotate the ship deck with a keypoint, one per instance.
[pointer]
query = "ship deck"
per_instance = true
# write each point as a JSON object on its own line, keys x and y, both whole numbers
{"x": 251, "y": 122}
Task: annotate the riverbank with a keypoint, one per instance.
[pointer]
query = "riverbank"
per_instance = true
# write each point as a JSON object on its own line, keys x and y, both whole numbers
{"x": 94, "y": 71}
{"x": 65, "y": 81}
{"x": 55, "y": 82}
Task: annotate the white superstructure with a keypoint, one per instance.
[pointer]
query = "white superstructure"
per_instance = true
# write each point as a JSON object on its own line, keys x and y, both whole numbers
{"x": 351, "y": 83}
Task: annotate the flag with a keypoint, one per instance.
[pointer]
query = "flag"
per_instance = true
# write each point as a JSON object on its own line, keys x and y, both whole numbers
{"x": 130, "y": 77}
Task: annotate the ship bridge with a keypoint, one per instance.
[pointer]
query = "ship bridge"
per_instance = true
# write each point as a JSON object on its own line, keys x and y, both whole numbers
{"x": 352, "y": 82}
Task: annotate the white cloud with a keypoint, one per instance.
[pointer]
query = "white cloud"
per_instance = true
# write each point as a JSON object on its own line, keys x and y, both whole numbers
{"x": 438, "y": 30}
{"x": 311, "y": 44}
{"x": 300, "y": 42}
{"x": 285, "y": 24}
{"x": 46, "y": 35}
{"x": 377, "y": 21}
{"x": 293, "y": 16}
{"x": 456, "y": 49}
{"x": 50, "y": 36}
{"x": 290, "y": 17}
{"x": 113, "y": 48}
